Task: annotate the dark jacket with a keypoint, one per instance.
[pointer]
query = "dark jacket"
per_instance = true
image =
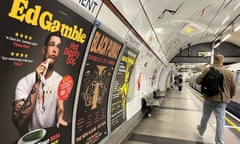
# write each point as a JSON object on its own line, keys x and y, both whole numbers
{"x": 228, "y": 85}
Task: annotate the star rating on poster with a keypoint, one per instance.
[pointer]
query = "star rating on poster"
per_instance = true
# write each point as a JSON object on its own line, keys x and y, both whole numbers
{"x": 23, "y": 36}
{"x": 20, "y": 55}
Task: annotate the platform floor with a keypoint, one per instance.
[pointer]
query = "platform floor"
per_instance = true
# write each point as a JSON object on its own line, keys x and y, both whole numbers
{"x": 175, "y": 122}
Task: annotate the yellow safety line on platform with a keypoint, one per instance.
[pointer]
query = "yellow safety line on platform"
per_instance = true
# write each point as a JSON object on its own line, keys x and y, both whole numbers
{"x": 232, "y": 123}
{"x": 227, "y": 119}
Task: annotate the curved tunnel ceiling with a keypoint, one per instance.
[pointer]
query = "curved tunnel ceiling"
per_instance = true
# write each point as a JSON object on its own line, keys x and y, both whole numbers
{"x": 169, "y": 25}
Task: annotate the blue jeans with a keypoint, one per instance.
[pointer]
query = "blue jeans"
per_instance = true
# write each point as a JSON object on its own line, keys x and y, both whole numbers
{"x": 219, "y": 111}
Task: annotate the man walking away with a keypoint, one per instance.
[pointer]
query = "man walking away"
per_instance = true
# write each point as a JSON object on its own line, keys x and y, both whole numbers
{"x": 218, "y": 102}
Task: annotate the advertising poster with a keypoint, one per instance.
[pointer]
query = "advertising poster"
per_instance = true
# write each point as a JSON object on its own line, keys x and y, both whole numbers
{"x": 120, "y": 87}
{"x": 39, "y": 72}
{"x": 91, "y": 120}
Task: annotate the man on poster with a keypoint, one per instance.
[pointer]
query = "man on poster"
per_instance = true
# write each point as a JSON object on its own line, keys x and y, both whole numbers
{"x": 36, "y": 103}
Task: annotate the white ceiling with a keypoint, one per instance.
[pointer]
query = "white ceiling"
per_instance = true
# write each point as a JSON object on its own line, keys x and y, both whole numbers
{"x": 170, "y": 25}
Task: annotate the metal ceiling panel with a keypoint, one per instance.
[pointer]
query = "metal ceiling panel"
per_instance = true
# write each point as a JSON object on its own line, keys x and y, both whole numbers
{"x": 170, "y": 25}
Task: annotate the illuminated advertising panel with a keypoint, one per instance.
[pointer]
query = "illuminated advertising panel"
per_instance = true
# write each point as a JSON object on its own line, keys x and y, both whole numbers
{"x": 91, "y": 119}
{"x": 120, "y": 87}
{"x": 39, "y": 71}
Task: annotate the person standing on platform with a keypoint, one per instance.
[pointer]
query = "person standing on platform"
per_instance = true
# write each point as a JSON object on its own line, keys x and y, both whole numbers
{"x": 218, "y": 102}
{"x": 180, "y": 82}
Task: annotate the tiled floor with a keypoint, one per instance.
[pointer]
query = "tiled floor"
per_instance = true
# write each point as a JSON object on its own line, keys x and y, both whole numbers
{"x": 175, "y": 121}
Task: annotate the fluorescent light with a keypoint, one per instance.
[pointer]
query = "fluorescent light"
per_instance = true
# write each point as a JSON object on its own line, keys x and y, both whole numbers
{"x": 225, "y": 20}
{"x": 236, "y": 6}
{"x": 159, "y": 30}
{"x": 228, "y": 28}
{"x": 226, "y": 37}
{"x": 236, "y": 28}
{"x": 217, "y": 44}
